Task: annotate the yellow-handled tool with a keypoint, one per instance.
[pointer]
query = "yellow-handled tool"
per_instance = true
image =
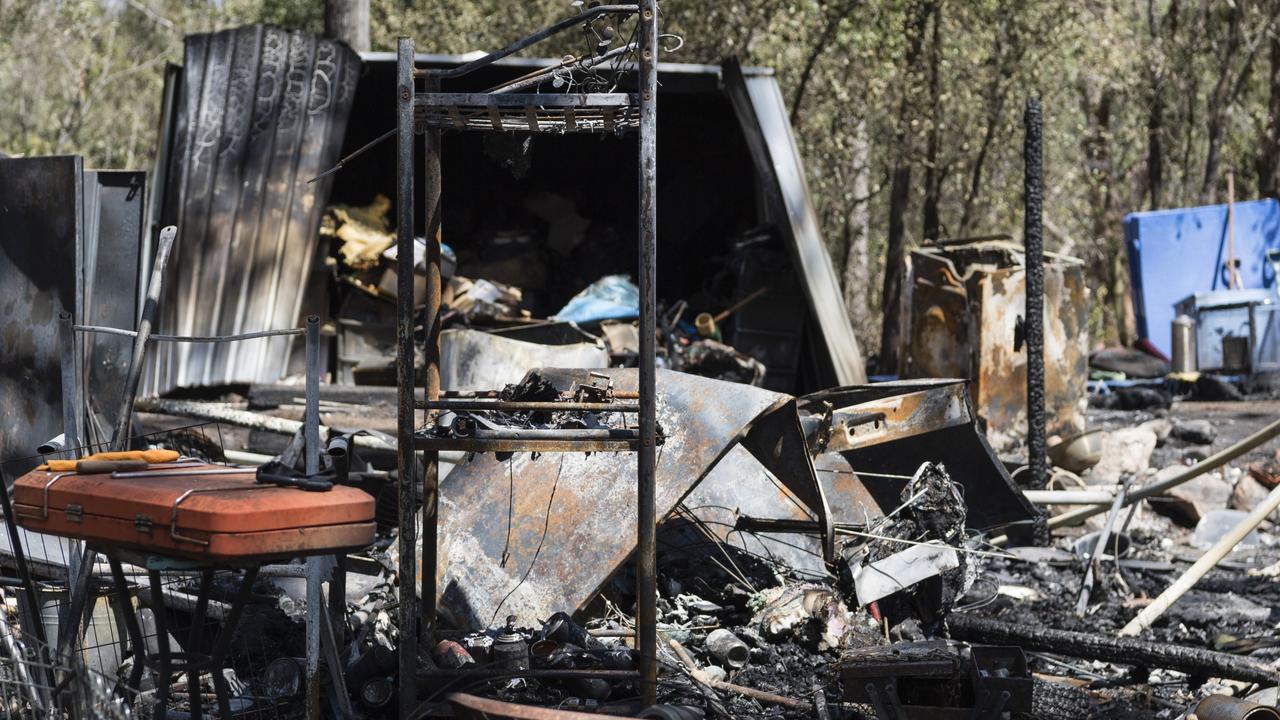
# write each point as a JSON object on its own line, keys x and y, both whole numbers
{"x": 145, "y": 457}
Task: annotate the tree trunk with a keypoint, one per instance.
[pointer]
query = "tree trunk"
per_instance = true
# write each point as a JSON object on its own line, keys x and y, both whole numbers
{"x": 1155, "y": 145}
{"x": 824, "y": 39}
{"x": 932, "y": 221}
{"x": 900, "y": 188}
{"x": 1097, "y": 104}
{"x": 856, "y": 274}
{"x": 1268, "y": 162}
{"x": 1221, "y": 99}
{"x": 348, "y": 21}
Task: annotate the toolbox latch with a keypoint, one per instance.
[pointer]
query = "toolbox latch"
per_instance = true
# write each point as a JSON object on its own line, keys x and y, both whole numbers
{"x": 75, "y": 512}
{"x": 143, "y": 523}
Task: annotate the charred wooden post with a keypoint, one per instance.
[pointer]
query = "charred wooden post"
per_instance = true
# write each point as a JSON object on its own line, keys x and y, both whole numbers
{"x": 1127, "y": 651}
{"x": 1033, "y": 230}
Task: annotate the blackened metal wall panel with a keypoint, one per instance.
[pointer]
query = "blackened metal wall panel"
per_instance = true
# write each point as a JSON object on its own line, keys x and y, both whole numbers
{"x": 261, "y": 111}
{"x": 40, "y": 224}
{"x": 115, "y": 213}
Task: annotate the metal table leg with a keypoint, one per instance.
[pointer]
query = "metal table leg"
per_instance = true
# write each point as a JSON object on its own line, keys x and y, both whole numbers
{"x": 194, "y": 637}
{"x": 164, "y": 672}
{"x": 222, "y": 643}
{"x": 134, "y": 631}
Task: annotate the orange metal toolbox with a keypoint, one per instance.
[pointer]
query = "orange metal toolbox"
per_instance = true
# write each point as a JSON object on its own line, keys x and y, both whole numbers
{"x": 208, "y": 517}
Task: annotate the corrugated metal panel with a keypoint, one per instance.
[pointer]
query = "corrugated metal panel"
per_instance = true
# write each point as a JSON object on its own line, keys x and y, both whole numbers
{"x": 763, "y": 115}
{"x": 259, "y": 111}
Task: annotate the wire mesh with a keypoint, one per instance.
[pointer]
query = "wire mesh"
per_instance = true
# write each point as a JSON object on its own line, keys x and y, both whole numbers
{"x": 36, "y": 683}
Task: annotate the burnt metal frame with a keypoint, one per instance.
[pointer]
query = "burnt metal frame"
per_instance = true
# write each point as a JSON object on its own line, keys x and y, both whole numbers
{"x": 417, "y": 622}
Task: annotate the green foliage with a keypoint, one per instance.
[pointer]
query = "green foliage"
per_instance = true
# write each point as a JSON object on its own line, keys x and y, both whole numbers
{"x": 1145, "y": 103}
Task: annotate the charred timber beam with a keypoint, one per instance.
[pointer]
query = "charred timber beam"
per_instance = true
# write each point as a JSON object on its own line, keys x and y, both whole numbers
{"x": 1033, "y": 158}
{"x": 1125, "y": 651}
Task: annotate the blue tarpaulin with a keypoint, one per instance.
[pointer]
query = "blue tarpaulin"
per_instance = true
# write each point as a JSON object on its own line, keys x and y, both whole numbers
{"x": 1174, "y": 253}
{"x": 613, "y": 297}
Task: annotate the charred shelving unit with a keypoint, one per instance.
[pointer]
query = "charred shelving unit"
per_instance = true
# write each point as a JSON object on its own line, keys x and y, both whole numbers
{"x": 423, "y": 109}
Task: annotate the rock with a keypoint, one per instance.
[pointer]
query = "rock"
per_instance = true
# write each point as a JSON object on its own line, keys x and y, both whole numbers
{"x": 1248, "y": 493}
{"x": 715, "y": 672}
{"x": 1209, "y": 387}
{"x": 1124, "y": 452}
{"x": 1142, "y": 398}
{"x": 1266, "y": 471}
{"x": 1161, "y": 427}
{"x": 1195, "y": 454}
{"x": 1133, "y": 363}
{"x": 1196, "y": 432}
{"x": 1192, "y": 500}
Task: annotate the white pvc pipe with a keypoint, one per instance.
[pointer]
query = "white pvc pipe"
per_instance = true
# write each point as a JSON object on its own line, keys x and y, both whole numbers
{"x": 1069, "y": 497}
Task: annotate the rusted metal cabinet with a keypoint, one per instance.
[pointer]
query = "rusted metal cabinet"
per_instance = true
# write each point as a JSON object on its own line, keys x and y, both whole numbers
{"x": 966, "y": 303}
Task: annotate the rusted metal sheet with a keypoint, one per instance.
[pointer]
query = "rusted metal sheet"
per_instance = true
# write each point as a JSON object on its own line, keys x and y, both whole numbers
{"x": 966, "y": 302}
{"x": 533, "y": 534}
{"x": 923, "y": 420}
{"x": 885, "y": 412}
{"x": 259, "y": 111}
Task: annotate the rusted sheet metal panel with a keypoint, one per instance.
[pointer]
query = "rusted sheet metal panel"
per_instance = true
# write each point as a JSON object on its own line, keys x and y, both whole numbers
{"x": 534, "y": 534}
{"x": 1001, "y": 387}
{"x": 885, "y": 412}
{"x": 40, "y": 226}
{"x": 965, "y": 304}
{"x": 739, "y": 486}
{"x": 531, "y": 535}
{"x": 260, "y": 110}
{"x": 933, "y": 428}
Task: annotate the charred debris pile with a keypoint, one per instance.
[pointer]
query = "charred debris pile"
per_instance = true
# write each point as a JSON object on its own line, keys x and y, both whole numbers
{"x": 442, "y": 443}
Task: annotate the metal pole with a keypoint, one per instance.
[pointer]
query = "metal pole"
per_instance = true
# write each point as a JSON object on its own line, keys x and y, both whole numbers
{"x": 72, "y": 418}
{"x": 72, "y": 407}
{"x": 431, "y": 354}
{"x": 315, "y": 569}
{"x": 646, "y": 531}
{"x": 1033, "y": 234}
{"x": 405, "y": 461}
{"x": 121, "y": 438}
